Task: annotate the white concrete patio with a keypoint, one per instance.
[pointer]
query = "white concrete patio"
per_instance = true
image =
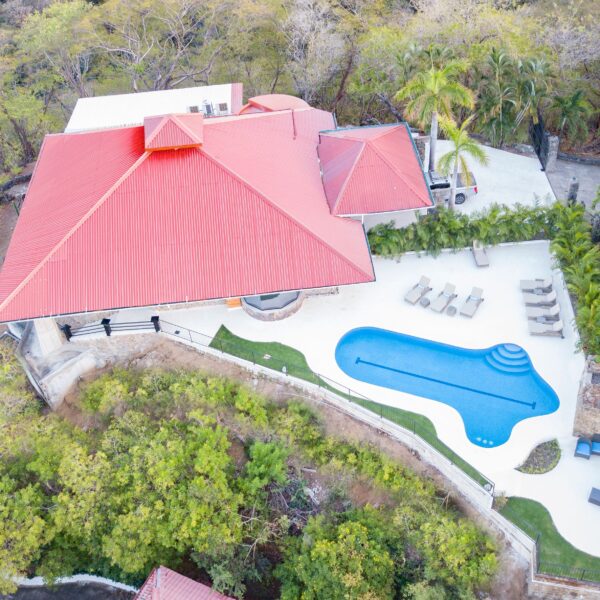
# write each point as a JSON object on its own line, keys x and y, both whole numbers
{"x": 322, "y": 320}
{"x": 507, "y": 179}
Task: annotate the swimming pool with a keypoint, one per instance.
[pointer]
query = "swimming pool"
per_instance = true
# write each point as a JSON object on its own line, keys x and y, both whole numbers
{"x": 492, "y": 388}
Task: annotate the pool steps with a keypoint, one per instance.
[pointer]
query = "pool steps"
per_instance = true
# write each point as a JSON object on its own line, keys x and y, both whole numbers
{"x": 509, "y": 358}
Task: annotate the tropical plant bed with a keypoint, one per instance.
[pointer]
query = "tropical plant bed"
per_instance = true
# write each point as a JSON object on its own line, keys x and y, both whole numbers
{"x": 276, "y": 356}
{"x": 557, "y": 556}
{"x": 543, "y": 458}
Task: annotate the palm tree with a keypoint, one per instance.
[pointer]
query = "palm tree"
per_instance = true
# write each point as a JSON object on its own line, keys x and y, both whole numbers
{"x": 497, "y": 101}
{"x": 463, "y": 145}
{"x": 572, "y": 112}
{"x": 533, "y": 84}
{"x": 432, "y": 94}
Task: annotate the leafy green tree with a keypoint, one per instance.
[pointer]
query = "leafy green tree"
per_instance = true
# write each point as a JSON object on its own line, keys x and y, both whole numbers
{"x": 533, "y": 86}
{"x": 456, "y": 553}
{"x": 267, "y": 465}
{"x": 339, "y": 563}
{"x": 433, "y": 93}
{"x": 60, "y": 38}
{"x": 571, "y": 113}
{"x": 462, "y": 146}
{"x": 23, "y": 531}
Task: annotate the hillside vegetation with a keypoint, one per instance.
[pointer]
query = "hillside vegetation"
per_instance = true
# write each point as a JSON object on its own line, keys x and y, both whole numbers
{"x": 204, "y": 476}
{"x": 520, "y": 59}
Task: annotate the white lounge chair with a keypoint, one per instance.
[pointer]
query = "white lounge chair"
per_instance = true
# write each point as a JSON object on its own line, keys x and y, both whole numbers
{"x": 550, "y": 329}
{"x": 472, "y": 303}
{"x": 479, "y": 254}
{"x": 540, "y": 299}
{"x": 551, "y": 313}
{"x": 418, "y": 290}
{"x": 529, "y": 285}
{"x": 444, "y": 298}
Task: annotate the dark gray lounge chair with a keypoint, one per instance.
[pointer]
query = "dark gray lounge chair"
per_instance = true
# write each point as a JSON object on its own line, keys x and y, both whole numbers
{"x": 594, "y": 496}
{"x": 596, "y": 443}
{"x": 583, "y": 449}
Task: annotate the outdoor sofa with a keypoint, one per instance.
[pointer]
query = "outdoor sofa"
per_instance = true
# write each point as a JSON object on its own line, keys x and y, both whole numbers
{"x": 583, "y": 448}
{"x": 596, "y": 443}
{"x": 444, "y": 298}
{"x": 469, "y": 308}
{"x": 418, "y": 290}
{"x": 594, "y": 496}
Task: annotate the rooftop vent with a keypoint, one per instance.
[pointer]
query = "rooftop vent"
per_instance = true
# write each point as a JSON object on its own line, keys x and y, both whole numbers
{"x": 171, "y": 132}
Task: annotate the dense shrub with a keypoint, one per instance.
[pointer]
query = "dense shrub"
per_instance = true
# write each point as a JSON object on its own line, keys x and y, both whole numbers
{"x": 450, "y": 229}
{"x": 570, "y": 232}
{"x": 180, "y": 467}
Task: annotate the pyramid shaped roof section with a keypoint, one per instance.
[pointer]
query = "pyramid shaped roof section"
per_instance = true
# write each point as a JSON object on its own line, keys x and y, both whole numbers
{"x": 169, "y": 132}
{"x": 108, "y": 224}
{"x": 372, "y": 170}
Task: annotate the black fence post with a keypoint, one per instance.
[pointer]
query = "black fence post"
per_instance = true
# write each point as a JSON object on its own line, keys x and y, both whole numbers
{"x": 66, "y": 329}
{"x": 156, "y": 322}
{"x": 106, "y": 324}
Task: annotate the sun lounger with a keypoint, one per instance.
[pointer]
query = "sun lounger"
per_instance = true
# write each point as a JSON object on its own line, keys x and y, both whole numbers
{"x": 583, "y": 449}
{"x": 529, "y": 285}
{"x": 596, "y": 443}
{"x": 540, "y": 299}
{"x": 444, "y": 298}
{"x": 479, "y": 254}
{"x": 418, "y": 290}
{"x": 472, "y": 302}
{"x": 594, "y": 497}
{"x": 550, "y": 313}
{"x": 549, "y": 329}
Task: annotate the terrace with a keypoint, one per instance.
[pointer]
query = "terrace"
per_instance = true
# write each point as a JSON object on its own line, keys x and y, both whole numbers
{"x": 323, "y": 320}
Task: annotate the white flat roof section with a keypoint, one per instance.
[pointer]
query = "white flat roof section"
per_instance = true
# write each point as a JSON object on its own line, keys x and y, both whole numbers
{"x": 105, "y": 112}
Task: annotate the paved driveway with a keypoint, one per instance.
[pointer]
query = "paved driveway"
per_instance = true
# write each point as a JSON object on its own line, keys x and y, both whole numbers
{"x": 587, "y": 175}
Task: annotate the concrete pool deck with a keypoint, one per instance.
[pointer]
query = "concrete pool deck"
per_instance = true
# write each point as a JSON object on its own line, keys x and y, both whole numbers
{"x": 317, "y": 327}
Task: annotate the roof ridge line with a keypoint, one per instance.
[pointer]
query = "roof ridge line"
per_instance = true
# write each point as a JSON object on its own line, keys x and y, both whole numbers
{"x": 342, "y": 191}
{"x": 282, "y": 211}
{"x": 192, "y": 134}
{"x": 73, "y": 229}
{"x": 391, "y": 166}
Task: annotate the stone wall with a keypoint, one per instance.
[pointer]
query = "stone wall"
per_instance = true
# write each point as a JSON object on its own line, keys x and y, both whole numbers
{"x": 587, "y": 415}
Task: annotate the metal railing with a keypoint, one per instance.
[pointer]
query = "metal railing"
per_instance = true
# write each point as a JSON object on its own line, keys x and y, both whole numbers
{"x": 396, "y": 416}
{"x": 413, "y": 423}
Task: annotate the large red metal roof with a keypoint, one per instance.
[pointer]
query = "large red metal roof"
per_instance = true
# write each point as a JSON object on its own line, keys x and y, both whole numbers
{"x": 165, "y": 584}
{"x": 371, "y": 170}
{"x": 106, "y": 224}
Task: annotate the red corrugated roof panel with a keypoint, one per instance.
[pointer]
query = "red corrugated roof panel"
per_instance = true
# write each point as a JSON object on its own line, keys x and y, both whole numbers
{"x": 107, "y": 225}
{"x": 165, "y": 584}
{"x": 273, "y": 102}
{"x": 372, "y": 169}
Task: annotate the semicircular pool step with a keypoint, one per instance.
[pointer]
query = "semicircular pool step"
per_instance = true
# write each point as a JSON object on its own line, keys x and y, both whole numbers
{"x": 510, "y": 351}
{"x": 509, "y": 359}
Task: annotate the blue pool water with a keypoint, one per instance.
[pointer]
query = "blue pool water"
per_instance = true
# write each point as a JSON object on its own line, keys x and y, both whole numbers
{"x": 492, "y": 388}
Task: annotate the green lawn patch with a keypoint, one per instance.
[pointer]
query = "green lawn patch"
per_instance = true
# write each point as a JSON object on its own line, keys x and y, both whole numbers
{"x": 557, "y": 556}
{"x": 276, "y": 356}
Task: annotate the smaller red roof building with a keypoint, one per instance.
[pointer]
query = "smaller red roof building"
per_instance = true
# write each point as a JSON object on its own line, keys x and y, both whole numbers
{"x": 165, "y": 584}
{"x": 372, "y": 170}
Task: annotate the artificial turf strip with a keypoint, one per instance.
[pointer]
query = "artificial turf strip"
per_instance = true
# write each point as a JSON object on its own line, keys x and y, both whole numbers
{"x": 276, "y": 356}
{"x": 557, "y": 556}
